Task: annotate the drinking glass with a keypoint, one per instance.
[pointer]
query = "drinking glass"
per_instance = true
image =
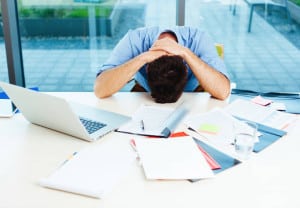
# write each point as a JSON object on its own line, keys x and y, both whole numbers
{"x": 245, "y": 138}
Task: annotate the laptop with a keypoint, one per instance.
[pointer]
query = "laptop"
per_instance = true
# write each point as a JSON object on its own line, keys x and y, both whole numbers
{"x": 56, "y": 113}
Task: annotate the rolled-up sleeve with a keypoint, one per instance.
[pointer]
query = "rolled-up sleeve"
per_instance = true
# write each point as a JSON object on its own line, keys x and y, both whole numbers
{"x": 208, "y": 53}
{"x": 120, "y": 54}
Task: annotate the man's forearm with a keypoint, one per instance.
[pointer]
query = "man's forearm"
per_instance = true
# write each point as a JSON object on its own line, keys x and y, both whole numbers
{"x": 112, "y": 80}
{"x": 211, "y": 80}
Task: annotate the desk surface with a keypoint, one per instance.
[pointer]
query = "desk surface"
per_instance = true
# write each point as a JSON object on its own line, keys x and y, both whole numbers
{"x": 29, "y": 152}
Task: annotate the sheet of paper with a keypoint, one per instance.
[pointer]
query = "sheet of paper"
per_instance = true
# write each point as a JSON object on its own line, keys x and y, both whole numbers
{"x": 216, "y": 128}
{"x": 215, "y": 125}
{"x": 261, "y": 101}
{"x": 265, "y": 115}
{"x": 173, "y": 159}
{"x": 94, "y": 171}
{"x": 147, "y": 120}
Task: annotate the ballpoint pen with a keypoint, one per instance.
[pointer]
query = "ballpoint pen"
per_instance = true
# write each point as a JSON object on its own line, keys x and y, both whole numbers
{"x": 142, "y": 125}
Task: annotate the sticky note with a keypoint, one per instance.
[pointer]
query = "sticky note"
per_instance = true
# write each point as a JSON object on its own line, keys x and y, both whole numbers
{"x": 209, "y": 128}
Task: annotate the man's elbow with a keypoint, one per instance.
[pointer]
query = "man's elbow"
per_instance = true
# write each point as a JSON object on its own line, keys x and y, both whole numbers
{"x": 224, "y": 95}
{"x": 226, "y": 92}
{"x": 99, "y": 92}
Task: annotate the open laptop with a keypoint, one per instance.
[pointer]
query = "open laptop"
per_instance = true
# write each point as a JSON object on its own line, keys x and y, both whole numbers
{"x": 56, "y": 113}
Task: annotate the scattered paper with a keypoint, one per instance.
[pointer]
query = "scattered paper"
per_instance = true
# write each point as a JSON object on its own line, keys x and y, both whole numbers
{"x": 265, "y": 115}
{"x": 261, "y": 101}
{"x": 216, "y": 125}
{"x": 94, "y": 171}
{"x": 155, "y": 120}
{"x": 173, "y": 159}
{"x": 147, "y": 120}
{"x": 278, "y": 106}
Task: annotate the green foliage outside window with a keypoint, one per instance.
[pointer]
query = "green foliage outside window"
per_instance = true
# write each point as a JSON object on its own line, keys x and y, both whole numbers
{"x": 296, "y": 2}
{"x": 62, "y": 12}
{"x": 73, "y": 11}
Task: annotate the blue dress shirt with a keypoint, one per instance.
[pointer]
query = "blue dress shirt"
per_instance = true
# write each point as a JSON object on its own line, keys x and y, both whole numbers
{"x": 140, "y": 40}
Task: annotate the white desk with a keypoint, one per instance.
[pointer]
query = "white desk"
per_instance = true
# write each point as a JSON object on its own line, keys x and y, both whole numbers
{"x": 29, "y": 152}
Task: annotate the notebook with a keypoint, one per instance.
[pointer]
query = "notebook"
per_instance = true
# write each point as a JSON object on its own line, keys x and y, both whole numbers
{"x": 56, "y": 113}
{"x": 155, "y": 121}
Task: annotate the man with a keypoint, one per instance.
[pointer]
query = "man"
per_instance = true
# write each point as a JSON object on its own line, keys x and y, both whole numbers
{"x": 142, "y": 46}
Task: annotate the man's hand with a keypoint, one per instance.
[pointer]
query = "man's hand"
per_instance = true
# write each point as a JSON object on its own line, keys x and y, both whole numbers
{"x": 168, "y": 45}
{"x": 151, "y": 55}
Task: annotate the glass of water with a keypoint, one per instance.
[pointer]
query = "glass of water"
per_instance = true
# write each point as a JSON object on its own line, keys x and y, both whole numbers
{"x": 245, "y": 138}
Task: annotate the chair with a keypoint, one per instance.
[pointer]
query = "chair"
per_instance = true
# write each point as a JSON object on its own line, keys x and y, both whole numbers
{"x": 267, "y": 3}
{"x": 220, "y": 49}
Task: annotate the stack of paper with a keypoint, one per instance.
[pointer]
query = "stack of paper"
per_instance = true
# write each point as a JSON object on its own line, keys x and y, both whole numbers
{"x": 175, "y": 159}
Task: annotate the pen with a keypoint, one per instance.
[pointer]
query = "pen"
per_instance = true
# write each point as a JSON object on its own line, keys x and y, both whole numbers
{"x": 142, "y": 125}
{"x": 68, "y": 159}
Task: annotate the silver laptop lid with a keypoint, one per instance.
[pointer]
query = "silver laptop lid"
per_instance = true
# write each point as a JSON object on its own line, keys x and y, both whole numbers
{"x": 56, "y": 113}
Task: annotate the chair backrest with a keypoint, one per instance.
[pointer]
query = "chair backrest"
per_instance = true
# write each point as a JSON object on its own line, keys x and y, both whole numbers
{"x": 220, "y": 49}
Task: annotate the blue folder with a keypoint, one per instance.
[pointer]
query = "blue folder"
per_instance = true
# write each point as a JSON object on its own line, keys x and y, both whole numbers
{"x": 269, "y": 136}
{"x": 224, "y": 160}
{"x": 3, "y": 95}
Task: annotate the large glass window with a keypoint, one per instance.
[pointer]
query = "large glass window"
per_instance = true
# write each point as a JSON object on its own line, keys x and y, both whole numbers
{"x": 267, "y": 57}
{"x": 65, "y": 42}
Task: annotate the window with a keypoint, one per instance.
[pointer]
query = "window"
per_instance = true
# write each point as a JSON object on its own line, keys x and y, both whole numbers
{"x": 65, "y": 42}
{"x": 264, "y": 59}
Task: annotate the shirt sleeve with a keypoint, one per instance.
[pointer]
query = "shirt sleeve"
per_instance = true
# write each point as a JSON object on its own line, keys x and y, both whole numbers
{"x": 206, "y": 50}
{"x": 120, "y": 54}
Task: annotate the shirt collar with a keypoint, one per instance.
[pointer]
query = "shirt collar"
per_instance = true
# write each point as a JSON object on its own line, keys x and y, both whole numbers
{"x": 174, "y": 30}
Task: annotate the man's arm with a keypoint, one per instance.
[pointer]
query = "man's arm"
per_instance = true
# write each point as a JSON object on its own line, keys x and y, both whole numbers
{"x": 211, "y": 80}
{"x": 112, "y": 80}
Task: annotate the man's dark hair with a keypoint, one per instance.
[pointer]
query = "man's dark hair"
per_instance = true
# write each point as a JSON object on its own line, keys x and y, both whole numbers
{"x": 167, "y": 77}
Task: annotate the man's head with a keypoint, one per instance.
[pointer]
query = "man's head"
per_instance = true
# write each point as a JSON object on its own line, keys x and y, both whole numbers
{"x": 167, "y": 77}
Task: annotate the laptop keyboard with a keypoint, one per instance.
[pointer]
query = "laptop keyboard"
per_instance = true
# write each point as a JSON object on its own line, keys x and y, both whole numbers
{"x": 90, "y": 125}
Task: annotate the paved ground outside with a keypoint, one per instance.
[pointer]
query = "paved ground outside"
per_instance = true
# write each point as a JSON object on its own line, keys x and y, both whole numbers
{"x": 263, "y": 60}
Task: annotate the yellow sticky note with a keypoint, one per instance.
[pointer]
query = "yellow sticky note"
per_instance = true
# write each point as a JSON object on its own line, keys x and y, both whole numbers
{"x": 209, "y": 128}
